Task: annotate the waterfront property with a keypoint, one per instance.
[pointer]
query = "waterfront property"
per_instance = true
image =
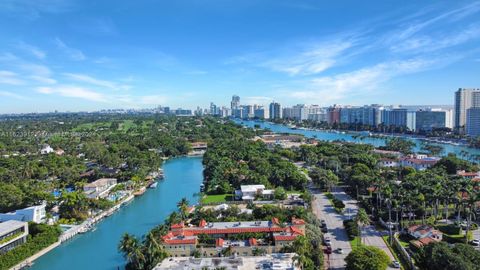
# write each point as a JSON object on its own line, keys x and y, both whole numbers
{"x": 418, "y": 162}
{"x": 12, "y": 234}
{"x": 99, "y": 188}
{"x": 34, "y": 213}
{"x": 250, "y": 192}
{"x": 280, "y": 261}
{"x": 468, "y": 175}
{"x": 210, "y": 239}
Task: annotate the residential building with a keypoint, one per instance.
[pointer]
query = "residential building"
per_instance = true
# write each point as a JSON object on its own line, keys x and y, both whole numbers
{"x": 465, "y": 98}
{"x": 424, "y": 231}
{"x": 399, "y": 117}
{"x": 468, "y": 175}
{"x": 418, "y": 162}
{"x": 427, "y": 120}
{"x": 250, "y": 192}
{"x": 260, "y": 112}
{"x": 388, "y": 163}
{"x": 300, "y": 112}
{"x": 99, "y": 188}
{"x": 275, "y": 111}
{"x": 473, "y": 122}
{"x": 235, "y": 103}
{"x": 288, "y": 113}
{"x": 317, "y": 113}
{"x": 277, "y": 261}
{"x": 34, "y": 213}
{"x": 365, "y": 115}
{"x": 12, "y": 234}
{"x": 182, "y": 240}
{"x": 333, "y": 114}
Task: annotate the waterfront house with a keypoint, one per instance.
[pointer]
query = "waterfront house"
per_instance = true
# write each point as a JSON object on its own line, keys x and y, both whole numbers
{"x": 183, "y": 239}
{"x": 34, "y": 213}
{"x": 99, "y": 188}
{"x": 419, "y": 162}
{"x": 388, "y": 163}
{"x": 468, "y": 175}
{"x": 250, "y": 192}
{"x": 12, "y": 234}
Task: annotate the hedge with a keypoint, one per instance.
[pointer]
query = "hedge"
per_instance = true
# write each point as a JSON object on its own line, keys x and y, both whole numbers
{"x": 46, "y": 236}
{"x": 352, "y": 228}
{"x": 449, "y": 229}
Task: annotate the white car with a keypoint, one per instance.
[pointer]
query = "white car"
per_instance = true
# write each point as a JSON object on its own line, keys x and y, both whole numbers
{"x": 475, "y": 242}
{"x": 395, "y": 264}
{"x": 327, "y": 241}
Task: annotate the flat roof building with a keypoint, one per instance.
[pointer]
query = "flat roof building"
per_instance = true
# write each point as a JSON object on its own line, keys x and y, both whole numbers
{"x": 12, "y": 234}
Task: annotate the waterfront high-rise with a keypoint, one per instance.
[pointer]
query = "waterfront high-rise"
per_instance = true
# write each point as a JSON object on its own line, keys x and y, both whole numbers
{"x": 465, "y": 98}
{"x": 473, "y": 122}
{"x": 235, "y": 103}
{"x": 275, "y": 111}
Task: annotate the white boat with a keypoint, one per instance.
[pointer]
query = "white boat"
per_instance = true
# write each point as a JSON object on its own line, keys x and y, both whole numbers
{"x": 153, "y": 185}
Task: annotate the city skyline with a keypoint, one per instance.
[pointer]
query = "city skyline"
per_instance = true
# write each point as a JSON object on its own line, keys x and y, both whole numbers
{"x": 69, "y": 55}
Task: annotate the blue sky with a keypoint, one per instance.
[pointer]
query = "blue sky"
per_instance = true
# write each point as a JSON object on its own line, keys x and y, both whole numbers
{"x": 72, "y": 55}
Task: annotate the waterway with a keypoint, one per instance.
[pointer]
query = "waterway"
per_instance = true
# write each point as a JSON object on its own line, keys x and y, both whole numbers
{"x": 98, "y": 249}
{"x": 461, "y": 151}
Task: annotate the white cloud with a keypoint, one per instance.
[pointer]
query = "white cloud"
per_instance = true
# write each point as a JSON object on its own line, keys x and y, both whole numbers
{"x": 327, "y": 89}
{"x": 11, "y": 95}
{"x": 32, "y": 50}
{"x": 9, "y": 77}
{"x": 73, "y": 92}
{"x": 74, "y": 54}
{"x": 97, "y": 82}
{"x": 313, "y": 60}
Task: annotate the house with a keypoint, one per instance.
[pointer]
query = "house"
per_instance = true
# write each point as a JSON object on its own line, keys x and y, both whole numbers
{"x": 419, "y": 162}
{"x": 424, "y": 231}
{"x": 183, "y": 239}
{"x": 388, "y": 163}
{"x": 99, "y": 188}
{"x": 468, "y": 175}
{"x": 250, "y": 192}
{"x": 34, "y": 213}
{"x": 46, "y": 150}
{"x": 12, "y": 234}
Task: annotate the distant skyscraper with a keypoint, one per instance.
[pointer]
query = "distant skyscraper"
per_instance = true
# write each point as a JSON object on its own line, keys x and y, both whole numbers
{"x": 213, "y": 109}
{"x": 275, "y": 111}
{"x": 464, "y": 100}
{"x": 235, "y": 104}
{"x": 473, "y": 122}
{"x": 333, "y": 114}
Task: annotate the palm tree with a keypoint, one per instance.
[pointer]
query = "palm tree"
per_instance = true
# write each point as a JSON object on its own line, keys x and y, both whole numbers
{"x": 132, "y": 251}
{"x": 183, "y": 207}
{"x": 362, "y": 220}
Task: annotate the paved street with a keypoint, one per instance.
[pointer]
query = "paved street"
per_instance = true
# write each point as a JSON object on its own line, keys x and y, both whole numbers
{"x": 336, "y": 232}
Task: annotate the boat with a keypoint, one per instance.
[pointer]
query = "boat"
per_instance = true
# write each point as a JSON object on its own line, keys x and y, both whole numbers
{"x": 153, "y": 185}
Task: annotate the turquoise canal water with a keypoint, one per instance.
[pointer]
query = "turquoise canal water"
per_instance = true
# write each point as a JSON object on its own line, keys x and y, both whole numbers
{"x": 98, "y": 249}
{"x": 460, "y": 150}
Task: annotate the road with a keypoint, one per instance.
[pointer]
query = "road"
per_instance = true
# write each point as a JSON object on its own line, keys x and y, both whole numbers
{"x": 324, "y": 210}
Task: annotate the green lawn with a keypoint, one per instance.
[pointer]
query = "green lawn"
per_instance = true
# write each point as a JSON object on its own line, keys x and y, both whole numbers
{"x": 217, "y": 198}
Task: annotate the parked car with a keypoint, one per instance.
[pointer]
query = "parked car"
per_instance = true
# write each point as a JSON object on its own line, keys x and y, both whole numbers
{"x": 475, "y": 242}
{"x": 339, "y": 251}
{"x": 396, "y": 264}
{"x": 324, "y": 229}
{"x": 327, "y": 241}
{"x": 323, "y": 223}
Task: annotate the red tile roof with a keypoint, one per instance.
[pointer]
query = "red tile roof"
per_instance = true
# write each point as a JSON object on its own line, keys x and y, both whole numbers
{"x": 295, "y": 230}
{"x": 177, "y": 226}
{"x": 252, "y": 241}
{"x": 284, "y": 237}
{"x": 203, "y": 223}
{"x": 275, "y": 221}
{"x": 219, "y": 242}
{"x": 177, "y": 241}
{"x": 297, "y": 221}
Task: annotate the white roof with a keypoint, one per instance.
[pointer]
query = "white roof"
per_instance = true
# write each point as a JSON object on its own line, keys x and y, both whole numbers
{"x": 251, "y": 188}
{"x": 10, "y": 225}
